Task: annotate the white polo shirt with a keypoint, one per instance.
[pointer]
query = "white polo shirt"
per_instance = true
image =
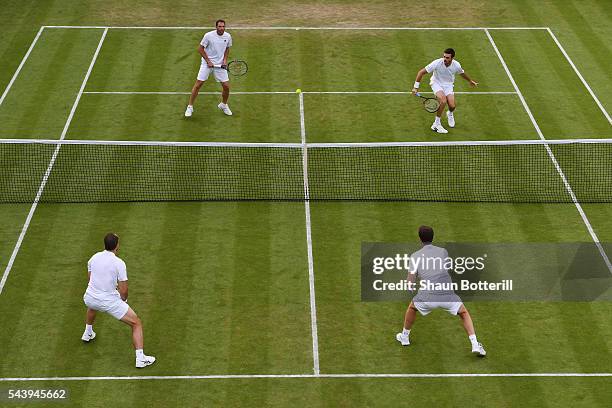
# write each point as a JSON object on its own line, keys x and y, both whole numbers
{"x": 106, "y": 270}
{"x": 215, "y": 46}
{"x": 442, "y": 74}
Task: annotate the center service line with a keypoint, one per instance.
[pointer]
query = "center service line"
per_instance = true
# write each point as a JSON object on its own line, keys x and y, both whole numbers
{"x": 311, "y": 282}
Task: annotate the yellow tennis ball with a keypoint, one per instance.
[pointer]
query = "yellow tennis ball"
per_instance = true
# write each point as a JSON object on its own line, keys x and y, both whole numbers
{"x": 298, "y": 90}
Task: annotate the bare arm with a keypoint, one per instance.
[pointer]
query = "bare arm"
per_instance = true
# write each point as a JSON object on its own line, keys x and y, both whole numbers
{"x": 202, "y": 52}
{"x": 417, "y": 81}
{"x": 467, "y": 78}
{"x": 122, "y": 286}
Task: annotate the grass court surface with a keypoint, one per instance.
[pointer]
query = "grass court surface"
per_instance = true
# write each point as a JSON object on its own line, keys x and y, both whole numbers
{"x": 224, "y": 288}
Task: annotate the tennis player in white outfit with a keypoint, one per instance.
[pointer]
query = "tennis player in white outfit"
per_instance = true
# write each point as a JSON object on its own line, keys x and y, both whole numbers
{"x": 214, "y": 49}
{"x": 443, "y": 72}
{"x": 427, "y": 300}
{"x": 107, "y": 273}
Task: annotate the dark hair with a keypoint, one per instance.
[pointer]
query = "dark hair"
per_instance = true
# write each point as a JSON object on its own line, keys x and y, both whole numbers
{"x": 219, "y": 21}
{"x": 450, "y": 51}
{"x": 426, "y": 233}
{"x": 111, "y": 240}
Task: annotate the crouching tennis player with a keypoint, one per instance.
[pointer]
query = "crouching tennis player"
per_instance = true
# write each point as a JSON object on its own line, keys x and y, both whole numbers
{"x": 443, "y": 72}
{"x": 107, "y": 273}
{"x": 427, "y": 300}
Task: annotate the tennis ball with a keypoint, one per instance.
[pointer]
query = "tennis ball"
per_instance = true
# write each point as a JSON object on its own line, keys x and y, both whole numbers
{"x": 298, "y": 90}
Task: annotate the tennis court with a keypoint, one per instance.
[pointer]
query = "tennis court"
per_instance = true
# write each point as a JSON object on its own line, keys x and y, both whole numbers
{"x": 235, "y": 289}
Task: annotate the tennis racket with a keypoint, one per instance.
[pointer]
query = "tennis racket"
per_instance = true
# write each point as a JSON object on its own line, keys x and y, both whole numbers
{"x": 235, "y": 67}
{"x": 431, "y": 105}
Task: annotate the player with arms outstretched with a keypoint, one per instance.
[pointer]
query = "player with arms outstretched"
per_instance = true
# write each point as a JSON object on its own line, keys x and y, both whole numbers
{"x": 214, "y": 49}
{"x": 443, "y": 72}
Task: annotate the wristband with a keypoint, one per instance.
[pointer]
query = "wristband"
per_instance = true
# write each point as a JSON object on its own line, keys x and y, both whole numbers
{"x": 417, "y": 84}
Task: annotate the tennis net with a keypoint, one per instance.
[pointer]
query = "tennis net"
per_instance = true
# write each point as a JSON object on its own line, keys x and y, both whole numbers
{"x": 493, "y": 171}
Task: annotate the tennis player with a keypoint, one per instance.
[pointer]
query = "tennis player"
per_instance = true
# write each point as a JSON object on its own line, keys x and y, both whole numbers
{"x": 443, "y": 72}
{"x": 427, "y": 300}
{"x": 214, "y": 49}
{"x": 107, "y": 272}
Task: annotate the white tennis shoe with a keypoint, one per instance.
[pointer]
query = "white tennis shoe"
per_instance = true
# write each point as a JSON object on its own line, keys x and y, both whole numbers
{"x": 189, "y": 111}
{"x": 87, "y": 337}
{"x": 225, "y": 108}
{"x": 438, "y": 128}
{"x": 405, "y": 340}
{"x": 479, "y": 350}
{"x": 147, "y": 361}
{"x": 451, "y": 119}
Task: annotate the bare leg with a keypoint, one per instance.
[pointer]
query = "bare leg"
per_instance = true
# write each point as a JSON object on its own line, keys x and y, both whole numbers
{"x": 133, "y": 321}
{"x": 450, "y": 99}
{"x": 194, "y": 91}
{"x": 410, "y": 316}
{"x": 91, "y": 316}
{"x": 225, "y": 92}
{"x": 442, "y": 99}
{"x": 468, "y": 325}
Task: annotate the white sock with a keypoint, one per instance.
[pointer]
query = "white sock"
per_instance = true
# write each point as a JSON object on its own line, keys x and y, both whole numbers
{"x": 223, "y": 105}
{"x": 405, "y": 332}
{"x": 473, "y": 340}
{"x": 437, "y": 121}
{"x": 139, "y": 354}
{"x": 89, "y": 328}
{"x": 190, "y": 106}
{"x": 450, "y": 113}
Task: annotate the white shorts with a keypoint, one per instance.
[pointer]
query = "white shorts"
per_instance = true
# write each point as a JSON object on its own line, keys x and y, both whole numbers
{"x": 220, "y": 73}
{"x": 426, "y": 307}
{"x": 447, "y": 89}
{"x": 114, "y": 306}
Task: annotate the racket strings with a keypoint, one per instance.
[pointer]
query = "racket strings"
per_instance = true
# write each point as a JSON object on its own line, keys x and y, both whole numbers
{"x": 237, "y": 68}
{"x": 431, "y": 105}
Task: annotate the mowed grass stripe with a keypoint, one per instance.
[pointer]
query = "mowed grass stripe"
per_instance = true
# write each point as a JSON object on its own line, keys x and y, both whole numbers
{"x": 99, "y": 77}
{"x": 41, "y": 98}
{"x": 17, "y": 35}
{"x": 561, "y": 105}
{"x": 592, "y": 42}
{"x": 477, "y": 392}
{"x": 264, "y": 299}
{"x": 456, "y": 223}
{"x": 50, "y": 278}
{"x": 150, "y": 71}
{"x": 88, "y": 225}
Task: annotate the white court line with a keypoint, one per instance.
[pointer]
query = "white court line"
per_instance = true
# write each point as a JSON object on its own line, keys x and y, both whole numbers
{"x": 50, "y": 167}
{"x": 23, "y": 61}
{"x": 584, "y": 82}
{"x": 405, "y": 92}
{"x": 316, "y": 376}
{"x": 568, "y": 187}
{"x": 297, "y": 28}
{"x": 311, "y": 281}
{"x": 290, "y": 92}
{"x": 183, "y": 93}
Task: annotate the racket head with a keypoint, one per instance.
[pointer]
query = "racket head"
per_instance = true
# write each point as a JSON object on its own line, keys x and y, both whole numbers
{"x": 237, "y": 67}
{"x": 431, "y": 105}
